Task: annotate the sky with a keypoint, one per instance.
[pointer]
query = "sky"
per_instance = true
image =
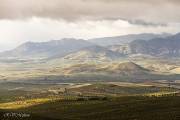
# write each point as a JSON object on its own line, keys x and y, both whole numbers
{"x": 43, "y": 20}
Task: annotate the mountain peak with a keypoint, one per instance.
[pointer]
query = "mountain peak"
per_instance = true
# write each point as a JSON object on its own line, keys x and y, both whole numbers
{"x": 128, "y": 66}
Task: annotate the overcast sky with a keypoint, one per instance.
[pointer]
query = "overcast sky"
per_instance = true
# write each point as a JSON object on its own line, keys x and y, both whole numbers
{"x": 42, "y": 20}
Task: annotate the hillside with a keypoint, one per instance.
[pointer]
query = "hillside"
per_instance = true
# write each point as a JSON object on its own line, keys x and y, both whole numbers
{"x": 117, "y": 68}
{"x": 106, "y": 72}
{"x": 96, "y": 53}
{"x": 128, "y": 67}
{"x": 90, "y": 72}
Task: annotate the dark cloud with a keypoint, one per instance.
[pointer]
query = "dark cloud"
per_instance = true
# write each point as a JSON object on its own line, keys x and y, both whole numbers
{"x": 143, "y": 23}
{"x": 148, "y": 11}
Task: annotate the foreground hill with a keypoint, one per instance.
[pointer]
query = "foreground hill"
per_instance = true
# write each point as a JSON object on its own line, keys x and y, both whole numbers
{"x": 92, "y": 72}
{"x": 109, "y": 72}
{"x": 119, "y": 68}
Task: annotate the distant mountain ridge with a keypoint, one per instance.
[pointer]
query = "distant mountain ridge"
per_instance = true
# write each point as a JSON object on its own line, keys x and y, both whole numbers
{"x": 169, "y": 46}
{"x": 112, "y": 48}
{"x": 47, "y": 49}
{"x": 125, "y": 39}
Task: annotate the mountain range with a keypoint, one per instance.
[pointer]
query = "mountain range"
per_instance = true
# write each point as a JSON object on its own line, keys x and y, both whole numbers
{"x": 110, "y": 48}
